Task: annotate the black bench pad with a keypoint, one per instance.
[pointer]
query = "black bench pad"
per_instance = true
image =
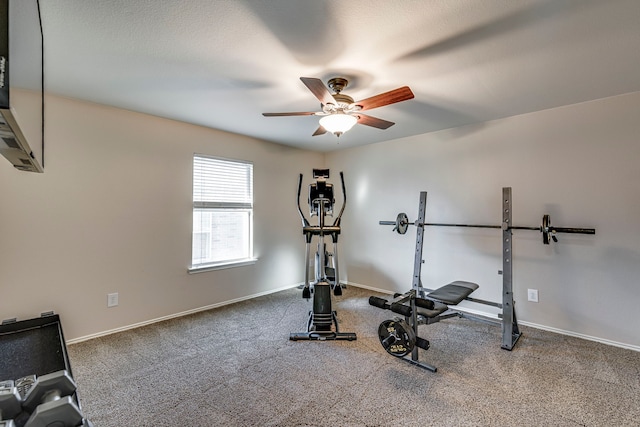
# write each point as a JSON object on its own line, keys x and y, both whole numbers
{"x": 438, "y": 309}
{"x": 453, "y": 293}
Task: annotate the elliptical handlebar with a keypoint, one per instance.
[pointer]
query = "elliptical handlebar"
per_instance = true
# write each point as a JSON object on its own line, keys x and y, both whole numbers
{"x": 305, "y": 221}
{"x": 336, "y": 223}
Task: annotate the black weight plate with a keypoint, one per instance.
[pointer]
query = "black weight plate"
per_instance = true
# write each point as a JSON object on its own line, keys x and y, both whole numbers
{"x": 546, "y": 232}
{"x": 397, "y": 337}
{"x": 402, "y": 223}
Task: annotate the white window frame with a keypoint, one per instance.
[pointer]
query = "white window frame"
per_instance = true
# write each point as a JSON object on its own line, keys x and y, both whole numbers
{"x": 213, "y": 201}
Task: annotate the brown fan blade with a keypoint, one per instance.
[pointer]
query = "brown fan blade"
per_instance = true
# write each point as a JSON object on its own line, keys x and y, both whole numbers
{"x": 391, "y": 97}
{"x": 319, "y": 131}
{"x": 374, "y": 122}
{"x": 319, "y": 90}
{"x": 288, "y": 114}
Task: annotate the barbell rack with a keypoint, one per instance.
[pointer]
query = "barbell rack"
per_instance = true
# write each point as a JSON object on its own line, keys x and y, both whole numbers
{"x": 508, "y": 320}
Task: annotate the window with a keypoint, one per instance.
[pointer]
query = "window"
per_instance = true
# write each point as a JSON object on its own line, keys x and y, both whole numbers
{"x": 222, "y": 213}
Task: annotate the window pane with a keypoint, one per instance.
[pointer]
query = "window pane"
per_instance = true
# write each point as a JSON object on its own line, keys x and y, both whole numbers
{"x": 220, "y": 235}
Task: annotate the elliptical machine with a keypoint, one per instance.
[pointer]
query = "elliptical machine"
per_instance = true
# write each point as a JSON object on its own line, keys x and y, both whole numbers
{"x": 323, "y": 323}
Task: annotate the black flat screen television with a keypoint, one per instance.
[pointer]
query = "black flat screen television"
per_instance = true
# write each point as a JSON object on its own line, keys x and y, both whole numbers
{"x": 21, "y": 84}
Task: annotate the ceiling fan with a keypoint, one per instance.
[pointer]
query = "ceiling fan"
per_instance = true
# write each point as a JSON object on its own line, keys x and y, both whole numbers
{"x": 339, "y": 111}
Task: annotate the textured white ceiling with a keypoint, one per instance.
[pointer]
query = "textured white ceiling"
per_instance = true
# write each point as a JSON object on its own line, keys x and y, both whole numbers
{"x": 221, "y": 63}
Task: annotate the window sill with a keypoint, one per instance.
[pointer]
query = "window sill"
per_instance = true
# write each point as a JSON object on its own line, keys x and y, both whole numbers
{"x": 222, "y": 265}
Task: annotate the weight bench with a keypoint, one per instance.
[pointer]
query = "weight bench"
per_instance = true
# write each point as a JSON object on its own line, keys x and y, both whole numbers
{"x": 452, "y": 294}
{"x": 436, "y": 303}
{"x": 399, "y": 337}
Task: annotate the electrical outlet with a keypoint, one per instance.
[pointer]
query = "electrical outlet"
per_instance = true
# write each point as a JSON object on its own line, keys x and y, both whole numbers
{"x": 112, "y": 300}
{"x": 532, "y": 295}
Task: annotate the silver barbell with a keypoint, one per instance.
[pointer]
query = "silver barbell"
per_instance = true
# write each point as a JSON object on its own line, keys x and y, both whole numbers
{"x": 402, "y": 223}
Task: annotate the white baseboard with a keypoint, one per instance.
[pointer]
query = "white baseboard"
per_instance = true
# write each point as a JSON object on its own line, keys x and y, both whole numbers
{"x": 371, "y": 288}
{"x": 529, "y": 324}
{"x": 582, "y": 336}
{"x": 176, "y": 315}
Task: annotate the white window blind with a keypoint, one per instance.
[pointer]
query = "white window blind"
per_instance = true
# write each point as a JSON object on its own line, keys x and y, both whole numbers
{"x": 222, "y": 211}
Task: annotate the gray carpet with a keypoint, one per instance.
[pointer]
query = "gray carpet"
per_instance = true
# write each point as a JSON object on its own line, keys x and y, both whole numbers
{"x": 235, "y": 366}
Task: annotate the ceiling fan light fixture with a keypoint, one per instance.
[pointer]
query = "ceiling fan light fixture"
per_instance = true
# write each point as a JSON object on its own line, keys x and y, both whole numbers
{"x": 338, "y": 123}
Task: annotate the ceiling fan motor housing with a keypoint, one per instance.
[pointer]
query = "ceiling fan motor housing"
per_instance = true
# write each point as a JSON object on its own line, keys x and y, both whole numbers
{"x": 337, "y": 84}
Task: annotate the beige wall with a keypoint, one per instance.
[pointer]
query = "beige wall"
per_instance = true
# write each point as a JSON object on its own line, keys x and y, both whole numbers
{"x": 112, "y": 213}
{"x": 577, "y": 163}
